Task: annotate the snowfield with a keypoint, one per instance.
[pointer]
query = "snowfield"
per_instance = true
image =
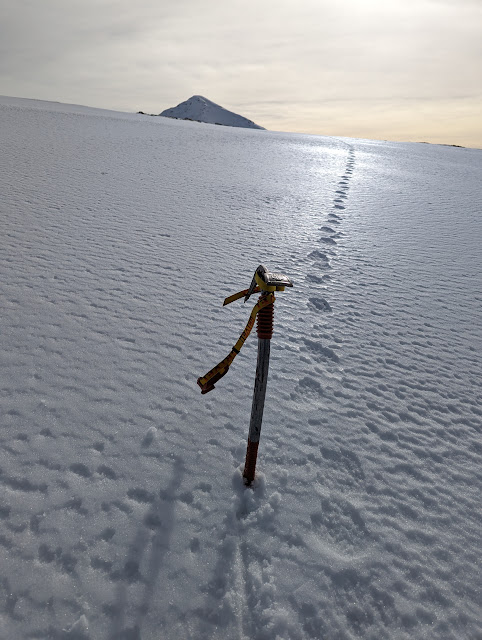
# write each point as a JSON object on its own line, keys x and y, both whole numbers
{"x": 122, "y": 511}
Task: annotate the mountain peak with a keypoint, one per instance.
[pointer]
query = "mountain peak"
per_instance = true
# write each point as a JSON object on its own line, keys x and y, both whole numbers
{"x": 203, "y": 110}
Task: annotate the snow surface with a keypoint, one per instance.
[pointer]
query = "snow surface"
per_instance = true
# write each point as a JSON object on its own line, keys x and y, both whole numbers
{"x": 122, "y": 512}
{"x": 204, "y": 110}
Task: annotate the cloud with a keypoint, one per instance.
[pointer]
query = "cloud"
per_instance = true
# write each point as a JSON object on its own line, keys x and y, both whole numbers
{"x": 152, "y": 54}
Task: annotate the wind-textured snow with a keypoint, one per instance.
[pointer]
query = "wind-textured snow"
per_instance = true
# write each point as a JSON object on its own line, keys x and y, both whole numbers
{"x": 122, "y": 511}
{"x": 204, "y": 110}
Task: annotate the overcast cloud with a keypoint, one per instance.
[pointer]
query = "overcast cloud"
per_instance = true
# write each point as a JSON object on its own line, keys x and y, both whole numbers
{"x": 392, "y": 69}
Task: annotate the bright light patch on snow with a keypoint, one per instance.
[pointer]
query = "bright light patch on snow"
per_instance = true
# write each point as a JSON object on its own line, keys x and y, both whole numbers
{"x": 122, "y": 513}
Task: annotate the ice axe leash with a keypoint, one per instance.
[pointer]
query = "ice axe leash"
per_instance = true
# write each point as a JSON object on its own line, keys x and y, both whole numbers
{"x": 265, "y": 283}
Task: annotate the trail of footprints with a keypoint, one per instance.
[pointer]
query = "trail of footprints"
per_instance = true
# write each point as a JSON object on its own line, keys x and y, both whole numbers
{"x": 321, "y": 258}
{"x": 337, "y": 519}
{"x": 319, "y": 275}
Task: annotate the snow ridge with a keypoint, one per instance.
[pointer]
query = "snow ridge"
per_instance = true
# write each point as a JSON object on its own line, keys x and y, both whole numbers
{"x": 204, "y": 110}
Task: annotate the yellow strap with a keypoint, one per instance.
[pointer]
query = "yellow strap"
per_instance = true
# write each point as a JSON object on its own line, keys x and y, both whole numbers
{"x": 224, "y": 364}
{"x": 237, "y": 296}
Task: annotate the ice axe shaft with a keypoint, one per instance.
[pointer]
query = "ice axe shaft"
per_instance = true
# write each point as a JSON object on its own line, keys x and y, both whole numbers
{"x": 265, "y": 332}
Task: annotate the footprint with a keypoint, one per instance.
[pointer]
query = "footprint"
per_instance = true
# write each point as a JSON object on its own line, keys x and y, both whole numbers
{"x": 321, "y": 304}
{"x": 80, "y": 469}
{"x": 195, "y": 545}
{"x": 344, "y": 459}
{"x": 5, "y": 511}
{"x": 319, "y": 350}
{"x": 205, "y": 487}
{"x": 149, "y": 437}
{"x": 308, "y": 383}
{"x": 317, "y": 279}
{"x": 327, "y": 240}
{"x": 22, "y": 484}
{"x": 321, "y": 258}
{"x": 102, "y": 565}
{"x": 153, "y": 520}
{"x": 107, "y": 472}
{"x": 140, "y": 495}
{"x": 107, "y": 534}
{"x": 65, "y": 561}
{"x": 75, "y": 504}
{"x": 342, "y": 521}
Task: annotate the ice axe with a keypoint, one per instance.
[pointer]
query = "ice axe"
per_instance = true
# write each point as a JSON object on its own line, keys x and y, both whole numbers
{"x": 266, "y": 283}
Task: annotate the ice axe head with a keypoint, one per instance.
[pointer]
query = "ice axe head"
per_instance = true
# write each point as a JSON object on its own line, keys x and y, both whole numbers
{"x": 267, "y": 281}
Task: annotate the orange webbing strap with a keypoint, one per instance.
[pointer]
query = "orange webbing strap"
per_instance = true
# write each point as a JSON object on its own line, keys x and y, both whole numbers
{"x": 207, "y": 381}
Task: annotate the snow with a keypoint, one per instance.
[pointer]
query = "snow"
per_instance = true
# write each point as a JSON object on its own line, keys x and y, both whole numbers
{"x": 122, "y": 513}
{"x": 204, "y": 110}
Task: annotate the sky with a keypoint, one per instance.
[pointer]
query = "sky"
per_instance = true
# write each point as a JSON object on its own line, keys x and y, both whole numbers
{"x": 377, "y": 69}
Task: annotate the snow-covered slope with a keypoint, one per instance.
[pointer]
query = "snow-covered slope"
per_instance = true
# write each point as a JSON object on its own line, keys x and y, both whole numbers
{"x": 203, "y": 110}
{"x": 122, "y": 515}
